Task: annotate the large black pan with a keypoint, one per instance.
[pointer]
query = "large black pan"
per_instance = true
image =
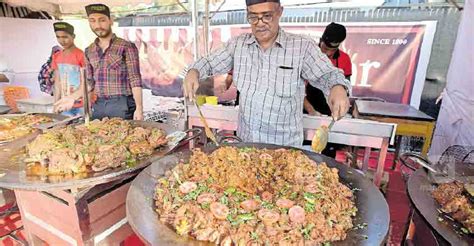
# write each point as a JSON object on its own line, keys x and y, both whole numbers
{"x": 13, "y": 172}
{"x": 419, "y": 190}
{"x": 143, "y": 219}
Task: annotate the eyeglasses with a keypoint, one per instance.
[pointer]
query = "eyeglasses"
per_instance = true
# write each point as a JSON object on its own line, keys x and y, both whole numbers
{"x": 254, "y": 19}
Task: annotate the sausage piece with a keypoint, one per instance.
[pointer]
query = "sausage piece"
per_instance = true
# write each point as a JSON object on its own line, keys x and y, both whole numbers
{"x": 206, "y": 197}
{"x": 267, "y": 196}
{"x": 187, "y": 187}
{"x": 267, "y": 216}
{"x": 250, "y": 205}
{"x": 285, "y": 203}
{"x": 219, "y": 210}
{"x": 297, "y": 214}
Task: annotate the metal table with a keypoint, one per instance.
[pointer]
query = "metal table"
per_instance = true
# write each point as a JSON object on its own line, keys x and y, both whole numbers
{"x": 410, "y": 121}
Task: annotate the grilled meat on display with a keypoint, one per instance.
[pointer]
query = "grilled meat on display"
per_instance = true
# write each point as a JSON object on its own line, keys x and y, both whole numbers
{"x": 452, "y": 200}
{"x": 109, "y": 143}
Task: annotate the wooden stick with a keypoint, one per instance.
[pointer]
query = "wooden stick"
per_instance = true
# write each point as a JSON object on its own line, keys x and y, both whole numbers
{"x": 85, "y": 98}
{"x": 68, "y": 88}
{"x": 61, "y": 90}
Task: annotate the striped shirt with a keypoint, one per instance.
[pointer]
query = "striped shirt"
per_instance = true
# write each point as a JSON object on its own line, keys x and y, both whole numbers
{"x": 271, "y": 83}
{"x": 115, "y": 71}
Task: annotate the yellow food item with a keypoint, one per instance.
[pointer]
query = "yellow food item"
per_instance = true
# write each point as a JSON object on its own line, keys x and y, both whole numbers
{"x": 16, "y": 127}
{"x": 320, "y": 139}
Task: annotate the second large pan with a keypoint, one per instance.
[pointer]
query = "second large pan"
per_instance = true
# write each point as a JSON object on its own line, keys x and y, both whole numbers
{"x": 141, "y": 215}
{"x": 13, "y": 172}
{"x": 419, "y": 190}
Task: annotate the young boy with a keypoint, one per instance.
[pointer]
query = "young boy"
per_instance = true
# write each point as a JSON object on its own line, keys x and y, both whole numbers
{"x": 113, "y": 71}
{"x": 68, "y": 65}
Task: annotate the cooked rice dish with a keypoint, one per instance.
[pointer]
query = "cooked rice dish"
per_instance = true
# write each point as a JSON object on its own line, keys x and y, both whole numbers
{"x": 252, "y": 196}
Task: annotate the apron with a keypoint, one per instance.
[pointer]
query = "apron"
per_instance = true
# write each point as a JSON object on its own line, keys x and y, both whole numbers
{"x": 455, "y": 125}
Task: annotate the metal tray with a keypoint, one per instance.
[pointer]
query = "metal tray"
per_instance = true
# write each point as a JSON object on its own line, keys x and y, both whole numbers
{"x": 54, "y": 117}
{"x": 13, "y": 172}
{"x": 143, "y": 219}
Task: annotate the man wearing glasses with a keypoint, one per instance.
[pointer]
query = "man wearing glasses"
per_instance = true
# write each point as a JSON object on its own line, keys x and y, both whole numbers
{"x": 269, "y": 68}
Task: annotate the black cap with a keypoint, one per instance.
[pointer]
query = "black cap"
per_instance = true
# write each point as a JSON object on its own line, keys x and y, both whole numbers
{"x": 98, "y": 8}
{"x": 252, "y": 2}
{"x": 63, "y": 26}
{"x": 333, "y": 35}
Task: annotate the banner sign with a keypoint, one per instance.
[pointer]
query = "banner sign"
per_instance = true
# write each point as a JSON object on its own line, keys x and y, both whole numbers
{"x": 389, "y": 60}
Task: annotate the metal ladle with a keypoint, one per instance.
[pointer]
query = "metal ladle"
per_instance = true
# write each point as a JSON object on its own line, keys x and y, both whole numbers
{"x": 320, "y": 138}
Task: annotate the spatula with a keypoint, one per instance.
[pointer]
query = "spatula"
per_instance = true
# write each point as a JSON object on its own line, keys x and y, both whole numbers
{"x": 87, "y": 111}
{"x": 49, "y": 125}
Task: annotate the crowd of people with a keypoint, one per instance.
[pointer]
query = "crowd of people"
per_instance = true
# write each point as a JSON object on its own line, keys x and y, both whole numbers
{"x": 109, "y": 66}
{"x": 278, "y": 75}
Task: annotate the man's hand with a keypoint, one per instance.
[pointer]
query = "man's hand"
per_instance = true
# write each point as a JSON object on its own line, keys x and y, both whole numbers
{"x": 191, "y": 84}
{"x": 138, "y": 114}
{"x": 314, "y": 113}
{"x": 309, "y": 108}
{"x": 338, "y": 102}
{"x": 138, "y": 97}
{"x": 64, "y": 104}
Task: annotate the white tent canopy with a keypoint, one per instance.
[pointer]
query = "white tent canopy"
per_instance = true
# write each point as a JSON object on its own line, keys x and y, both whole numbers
{"x": 68, "y": 7}
{"x": 59, "y": 7}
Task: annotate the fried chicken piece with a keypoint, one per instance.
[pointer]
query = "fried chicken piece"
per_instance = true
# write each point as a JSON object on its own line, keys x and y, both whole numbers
{"x": 65, "y": 161}
{"x": 445, "y": 192}
{"x": 157, "y": 138}
{"x": 454, "y": 204}
{"x": 69, "y": 136}
{"x": 461, "y": 215}
{"x": 138, "y": 134}
{"x": 140, "y": 149}
{"x": 109, "y": 156}
{"x": 42, "y": 145}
